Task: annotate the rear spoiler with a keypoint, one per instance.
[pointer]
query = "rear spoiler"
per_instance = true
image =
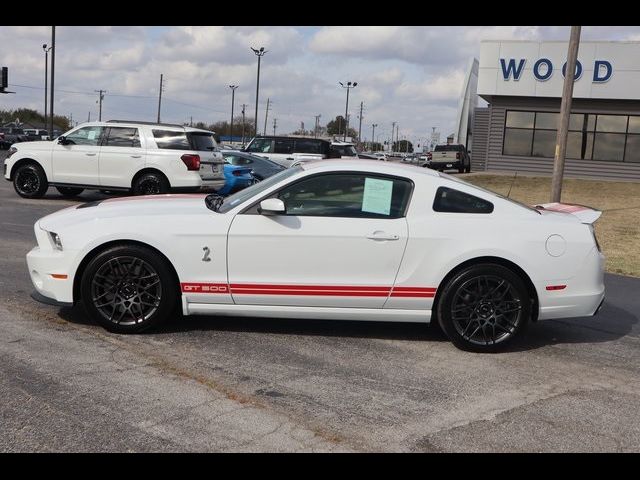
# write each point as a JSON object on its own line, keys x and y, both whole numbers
{"x": 585, "y": 214}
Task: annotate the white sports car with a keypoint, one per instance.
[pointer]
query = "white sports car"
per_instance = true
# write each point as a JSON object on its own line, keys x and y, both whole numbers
{"x": 332, "y": 239}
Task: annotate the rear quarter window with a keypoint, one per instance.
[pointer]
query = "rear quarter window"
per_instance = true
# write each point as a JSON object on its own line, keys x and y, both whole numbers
{"x": 171, "y": 140}
{"x": 455, "y": 201}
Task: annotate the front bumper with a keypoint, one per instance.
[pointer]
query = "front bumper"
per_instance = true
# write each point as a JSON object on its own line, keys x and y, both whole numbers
{"x": 42, "y": 266}
{"x": 445, "y": 165}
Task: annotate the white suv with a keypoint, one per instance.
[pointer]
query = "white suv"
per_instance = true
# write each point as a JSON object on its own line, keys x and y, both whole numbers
{"x": 140, "y": 157}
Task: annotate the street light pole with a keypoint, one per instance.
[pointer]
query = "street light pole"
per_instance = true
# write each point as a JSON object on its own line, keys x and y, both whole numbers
{"x": 233, "y": 96}
{"x": 348, "y": 86}
{"x": 46, "y": 80}
{"x": 259, "y": 54}
{"x": 53, "y": 74}
{"x": 565, "y": 111}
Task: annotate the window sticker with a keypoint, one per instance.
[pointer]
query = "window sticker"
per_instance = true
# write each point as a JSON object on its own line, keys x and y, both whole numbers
{"x": 91, "y": 135}
{"x": 377, "y": 196}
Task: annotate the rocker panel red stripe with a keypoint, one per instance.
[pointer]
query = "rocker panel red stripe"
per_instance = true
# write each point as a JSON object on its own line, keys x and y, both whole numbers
{"x": 308, "y": 290}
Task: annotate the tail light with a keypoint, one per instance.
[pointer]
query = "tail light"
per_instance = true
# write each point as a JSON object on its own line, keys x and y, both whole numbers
{"x": 429, "y": 155}
{"x": 239, "y": 172}
{"x": 191, "y": 161}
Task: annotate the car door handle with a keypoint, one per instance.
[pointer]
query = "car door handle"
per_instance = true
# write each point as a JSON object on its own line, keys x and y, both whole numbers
{"x": 382, "y": 236}
{"x": 136, "y": 156}
{"x": 90, "y": 154}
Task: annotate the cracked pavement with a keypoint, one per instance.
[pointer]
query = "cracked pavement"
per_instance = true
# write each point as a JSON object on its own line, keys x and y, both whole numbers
{"x": 225, "y": 385}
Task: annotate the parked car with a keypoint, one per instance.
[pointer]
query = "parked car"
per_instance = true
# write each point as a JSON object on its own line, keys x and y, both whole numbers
{"x": 261, "y": 167}
{"x": 342, "y": 240}
{"x": 290, "y": 151}
{"x": 236, "y": 178}
{"x": 35, "y": 134}
{"x": 381, "y": 156}
{"x": 11, "y": 135}
{"x": 137, "y": 157}
{"x": 446, "y": 157}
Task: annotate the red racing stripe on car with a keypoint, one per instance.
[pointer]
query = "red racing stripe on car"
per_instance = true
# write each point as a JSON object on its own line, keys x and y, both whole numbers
{"x": 308, "y": 290}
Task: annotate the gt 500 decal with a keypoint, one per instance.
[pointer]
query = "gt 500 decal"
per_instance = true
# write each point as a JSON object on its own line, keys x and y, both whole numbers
{"x": 205, "y": 287}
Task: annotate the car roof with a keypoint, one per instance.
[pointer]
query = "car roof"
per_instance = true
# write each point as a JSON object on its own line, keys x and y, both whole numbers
{"x": 373, "y": 166}
{"x": 133, "y": 123}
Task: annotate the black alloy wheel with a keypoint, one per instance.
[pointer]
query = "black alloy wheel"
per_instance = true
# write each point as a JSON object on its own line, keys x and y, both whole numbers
{"x": 151, "y": 184}
{"x": 484, "y": 307}
{"x": 128, "y": 289}
{"x": 29, "y": 181}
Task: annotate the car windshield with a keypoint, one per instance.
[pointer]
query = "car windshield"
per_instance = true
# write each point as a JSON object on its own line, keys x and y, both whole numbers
{"x": 520, "y": 204}
{"x": 243, "y": 195}
{"x": 346, "y": 150}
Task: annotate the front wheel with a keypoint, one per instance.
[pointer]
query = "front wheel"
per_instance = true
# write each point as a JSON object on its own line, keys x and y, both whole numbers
{"x": 484, "y": 308}
{"x": 129, "y": 289}
{"x": 70, "y": 191}
{"x": 30, "y": 181}
{"x": 150, "y": 184}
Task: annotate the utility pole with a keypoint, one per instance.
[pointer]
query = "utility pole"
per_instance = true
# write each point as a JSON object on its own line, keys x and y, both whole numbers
{"x": 243, "y": 107}
{"x": 360, "y": 126}
{"x": 190, "y": 121}
{"x": 275, "y": 123}
{"x": 46, "y": 81}
{"x": 565, "y": 110}
{"x": 53, "y": 70}
{"x": 266, "y": 114}
{"x": 100, "y": 98}
{"x": 89, "y": 116}
{"x": 233, "y": 97}
{"x": 393, "y": 129}
{"x": 160, "y": 97}
{"x": 373, "y": 135}
{"x": 315, "y": 131}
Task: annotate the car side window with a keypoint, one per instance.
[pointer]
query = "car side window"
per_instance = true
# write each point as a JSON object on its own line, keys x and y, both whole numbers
{"x": 308, "y": 146}
{"x": 261, "y": 145}
{"x": 356, "y": 195}
{"x": 171, "y": 139}
{"x": 455, "y": 201}
{"x": 283, "y": 145}
{"x": 122, "y": 137}
{"x": 85, "y": 136}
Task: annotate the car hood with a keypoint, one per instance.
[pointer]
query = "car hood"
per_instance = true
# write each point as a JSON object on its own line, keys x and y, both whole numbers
{"x": 36, "y": 145}
{"x": 147, "y": 207}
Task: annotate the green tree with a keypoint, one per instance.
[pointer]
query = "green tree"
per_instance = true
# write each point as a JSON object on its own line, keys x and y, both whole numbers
{"x": 336, "y": 127}
{"x": 402, "y": 145}
{"x": 27, "y": 115}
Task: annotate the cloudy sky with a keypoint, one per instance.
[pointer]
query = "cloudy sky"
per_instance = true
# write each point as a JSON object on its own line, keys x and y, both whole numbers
{"x": 411, "y": 75}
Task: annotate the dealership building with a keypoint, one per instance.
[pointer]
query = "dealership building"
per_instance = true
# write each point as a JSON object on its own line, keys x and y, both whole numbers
{"x": 521, "y": 81}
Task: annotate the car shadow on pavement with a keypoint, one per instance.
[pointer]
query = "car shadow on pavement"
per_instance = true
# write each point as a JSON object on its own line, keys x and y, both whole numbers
{"x": 610, "y": 324}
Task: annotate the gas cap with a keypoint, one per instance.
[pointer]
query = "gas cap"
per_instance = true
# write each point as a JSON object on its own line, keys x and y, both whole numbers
{"x": 556, "y": 245}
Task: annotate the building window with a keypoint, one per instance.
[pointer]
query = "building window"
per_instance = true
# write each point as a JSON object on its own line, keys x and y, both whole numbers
{"x": 611, "y": 138}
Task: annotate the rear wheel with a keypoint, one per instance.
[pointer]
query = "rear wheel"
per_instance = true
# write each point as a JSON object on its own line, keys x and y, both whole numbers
{"x": 30, "y": 181}
{"x": 129, "y": 289}
{"x": 70, "y": 191}
{"x": 150, "y": 184}
{"x": 484, "y": 308}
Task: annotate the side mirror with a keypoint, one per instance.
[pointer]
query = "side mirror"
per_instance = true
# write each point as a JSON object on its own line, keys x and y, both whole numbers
{"x": 271, "y": 206}
{"x": 62, "y": 140}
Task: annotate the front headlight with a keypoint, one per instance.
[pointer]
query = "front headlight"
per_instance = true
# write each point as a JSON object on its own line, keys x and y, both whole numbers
{"x": 55, "y": 240}
{"x": 11, "y": 151}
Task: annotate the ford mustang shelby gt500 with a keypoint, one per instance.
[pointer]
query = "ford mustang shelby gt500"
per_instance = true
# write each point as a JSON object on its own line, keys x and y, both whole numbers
{"x": 332, "y": 239}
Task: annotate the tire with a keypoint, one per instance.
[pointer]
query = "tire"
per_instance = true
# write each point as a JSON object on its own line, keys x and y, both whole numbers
{"x": 150, "y": 184}
{"x": 474, "y": 302}
{"x": 29, "y": 181}
{"x": 468, "y": 169}
{"x": 70, "y": 191}
{"x": 129, "y": 289}
{"x": 461, "y": 169}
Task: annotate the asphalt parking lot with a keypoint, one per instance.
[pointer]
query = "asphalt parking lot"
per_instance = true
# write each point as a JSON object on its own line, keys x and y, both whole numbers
{"x": 225, "y": 384}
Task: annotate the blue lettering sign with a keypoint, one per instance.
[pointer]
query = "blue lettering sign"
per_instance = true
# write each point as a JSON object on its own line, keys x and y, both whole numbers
{"x": 578, "y": 72}
{"x": 536, "y": 69}
{"x": 508, "y": 70}
{"x": 596, "y": 71}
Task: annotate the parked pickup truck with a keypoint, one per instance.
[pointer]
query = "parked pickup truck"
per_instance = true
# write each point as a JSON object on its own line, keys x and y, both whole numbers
{"x": 445, "y": 157}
